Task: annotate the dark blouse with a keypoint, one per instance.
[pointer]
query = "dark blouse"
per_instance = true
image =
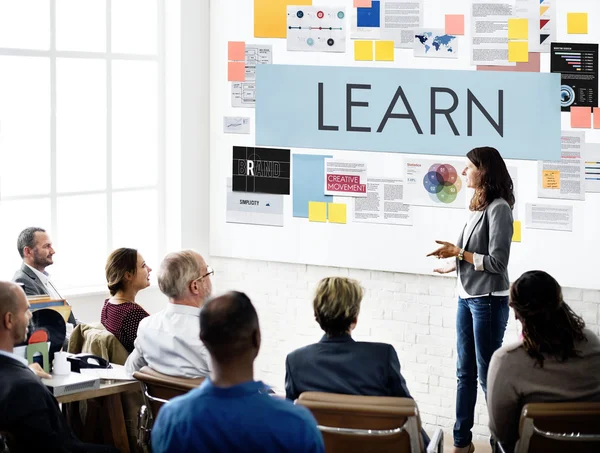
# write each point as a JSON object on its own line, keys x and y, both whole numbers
{"x": 122, "y": 320}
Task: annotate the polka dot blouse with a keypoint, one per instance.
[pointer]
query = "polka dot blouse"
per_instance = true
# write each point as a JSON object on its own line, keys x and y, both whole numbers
{"x": 122, "y": 321}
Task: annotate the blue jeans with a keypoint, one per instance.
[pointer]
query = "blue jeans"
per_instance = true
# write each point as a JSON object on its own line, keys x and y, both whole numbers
{"x": 480, "y": 326}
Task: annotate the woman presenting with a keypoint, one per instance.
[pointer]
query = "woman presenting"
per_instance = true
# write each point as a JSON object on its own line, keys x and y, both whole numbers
{"x": 481, "y": 263}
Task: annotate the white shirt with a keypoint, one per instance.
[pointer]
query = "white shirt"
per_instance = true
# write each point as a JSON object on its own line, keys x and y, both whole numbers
{"x": 45, "y": 279}
{"x": 478, "y": 264}
{"x": 169, "y": 342}
{"x": 14, "y": 357}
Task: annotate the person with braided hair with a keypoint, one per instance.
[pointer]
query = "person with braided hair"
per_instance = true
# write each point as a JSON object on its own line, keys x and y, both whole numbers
{"x": 556, "y": 360}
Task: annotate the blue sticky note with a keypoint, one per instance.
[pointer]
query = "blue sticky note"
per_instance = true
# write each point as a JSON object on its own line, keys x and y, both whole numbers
{"x": 308, "y": 182}
{"x": 368, "y": 17}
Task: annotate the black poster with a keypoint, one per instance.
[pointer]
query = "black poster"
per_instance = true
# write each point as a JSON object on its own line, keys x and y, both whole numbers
{"x": 264, "y": 170}
{"x": 578, "y": 68}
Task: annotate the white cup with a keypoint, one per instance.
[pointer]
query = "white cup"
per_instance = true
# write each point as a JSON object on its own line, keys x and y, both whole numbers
{"x": 61, "y": 365}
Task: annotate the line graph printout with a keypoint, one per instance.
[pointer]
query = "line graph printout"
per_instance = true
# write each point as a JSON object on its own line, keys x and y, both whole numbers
{"x": 316, "y": 29}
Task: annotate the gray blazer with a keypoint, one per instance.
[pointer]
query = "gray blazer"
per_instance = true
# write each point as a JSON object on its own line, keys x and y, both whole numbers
{"x": 490, "y": 236}
{"x": 32, "y": 286}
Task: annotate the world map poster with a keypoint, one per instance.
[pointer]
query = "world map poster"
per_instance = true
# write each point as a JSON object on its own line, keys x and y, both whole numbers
{"x": 435, "y": 43}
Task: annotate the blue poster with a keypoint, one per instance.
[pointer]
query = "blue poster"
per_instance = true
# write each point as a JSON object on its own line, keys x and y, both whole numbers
{"x": 417, "y": 111}
{"x": 368, "y": 17}
{"x": 308, "y": 182}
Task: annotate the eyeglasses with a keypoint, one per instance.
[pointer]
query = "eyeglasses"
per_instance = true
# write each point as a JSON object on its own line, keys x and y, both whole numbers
{"x": 209, "y": 271}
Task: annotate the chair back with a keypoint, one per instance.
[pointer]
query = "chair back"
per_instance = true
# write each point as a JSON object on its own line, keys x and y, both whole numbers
{"x": 7, "y": 444}
{"x": 356, "y": 424}
{"x": 560, "y": 427}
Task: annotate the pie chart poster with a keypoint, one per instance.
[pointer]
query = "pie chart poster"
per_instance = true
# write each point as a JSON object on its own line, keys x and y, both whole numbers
{"x": 261, "y": 170}
{"x": 436, "y": 183}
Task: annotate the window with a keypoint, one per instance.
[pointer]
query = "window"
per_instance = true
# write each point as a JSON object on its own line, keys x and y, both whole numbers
{"x": 82, "y": 131}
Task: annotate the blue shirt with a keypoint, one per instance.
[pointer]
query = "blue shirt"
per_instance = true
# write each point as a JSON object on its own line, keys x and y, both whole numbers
{"x": 235, "y": 419}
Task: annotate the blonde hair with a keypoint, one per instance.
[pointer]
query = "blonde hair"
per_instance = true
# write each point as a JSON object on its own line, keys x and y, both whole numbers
{"x": 337, "y": 304}
{"x": 176, "y": 272}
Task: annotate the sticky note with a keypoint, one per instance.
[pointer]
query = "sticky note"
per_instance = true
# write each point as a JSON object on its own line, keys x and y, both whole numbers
{"x": 369, "y": 17}
{"x": 362, "y": 3}
{"x": 581, "y": 117}
{"x": 596, "y": 118}
{"x": 577, "y": 23}
{"x": 516, "y": 231}
{"x": 236, "y": 71}
{"x": 551, "y": 179}
{"x": 236, "y": 51}
{"x": 317, "y": 211}
{"x": 337, "y": 212}
{"x": 455, "y": 24}
{"x": 518, "y": 28}
{"x": 363, "y": 50}
{"x": 384, "y": 50}
{"x": 270, "y": 17}
{"x": 518, "y": 51}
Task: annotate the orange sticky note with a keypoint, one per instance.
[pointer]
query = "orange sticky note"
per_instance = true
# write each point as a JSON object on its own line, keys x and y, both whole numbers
{"x": 551, "y": 179}
{"x": 597, "y": 118}
{"x": 236, "y": 51}
{"x": 581, "y": 117}
{"x": 270, "y": 17}
{"x": 236, "y": 71}
{"x": 516, "y": 231}
{"x": 362, "y": 4}
{"x": 455, "y": 24}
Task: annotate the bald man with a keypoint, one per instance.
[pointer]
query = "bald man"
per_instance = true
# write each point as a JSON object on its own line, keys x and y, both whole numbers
{"x": 230, "y": 411}
{"x": 28, "y": 411}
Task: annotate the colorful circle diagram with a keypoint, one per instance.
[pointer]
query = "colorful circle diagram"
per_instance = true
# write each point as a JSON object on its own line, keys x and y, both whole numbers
{"x": 442, "y": 183}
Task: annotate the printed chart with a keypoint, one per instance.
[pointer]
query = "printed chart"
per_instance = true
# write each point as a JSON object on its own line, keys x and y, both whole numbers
{"x": 430, "y": 183}
{"x": 316, "y": 29}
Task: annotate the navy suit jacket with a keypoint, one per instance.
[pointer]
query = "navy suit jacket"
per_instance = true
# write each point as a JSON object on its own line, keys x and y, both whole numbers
{"x": 342, "y": 365}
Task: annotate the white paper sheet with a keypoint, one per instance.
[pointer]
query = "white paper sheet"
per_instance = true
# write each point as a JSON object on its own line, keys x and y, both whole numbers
{"x": 383, "y": 203}
{"x": 399, "y": 19}
{"x": 236, "y": 125}
{"x": 571, "y": 168}
{"x": 591, "y": 156}
{"x": 489, "y": 32}
{"x": 257, "y": 54}
{"x": 549, "y": 217}
{"x": 436, "y": 183}
{"x": 253, "y": 208}
{"x": 345, "y": 178}
{"x": 243, "y": 94}
{"x": 316, "y": 28}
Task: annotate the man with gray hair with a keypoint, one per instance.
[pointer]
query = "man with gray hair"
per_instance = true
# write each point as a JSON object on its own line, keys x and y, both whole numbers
{"x": 169, "y": 341}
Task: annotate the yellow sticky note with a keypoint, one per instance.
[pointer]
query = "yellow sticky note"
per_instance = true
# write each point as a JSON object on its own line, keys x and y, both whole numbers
{"x": 551, "y": 179}
{"x": 363, "y": 50}
{"x": 317, "y": 211}
{"x": 577, "y": 23}
{"x": 337, "y": 212}
{"x": 518, "y": 28}
{"x": 384, "y": 50}
{"x": 516, "y": 231}
{"x": 270, "y": 17}
{"x": 518, "y": 51}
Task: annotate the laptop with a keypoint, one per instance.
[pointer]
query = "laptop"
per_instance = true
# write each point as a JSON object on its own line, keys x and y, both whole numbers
{"x": 71, "y": 383}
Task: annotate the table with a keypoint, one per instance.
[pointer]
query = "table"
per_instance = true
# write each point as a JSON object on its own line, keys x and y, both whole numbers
{"x": 110, "y": 392}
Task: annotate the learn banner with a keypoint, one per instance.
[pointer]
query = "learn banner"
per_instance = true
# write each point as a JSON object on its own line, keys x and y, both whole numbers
{"x": 417, "y": 111}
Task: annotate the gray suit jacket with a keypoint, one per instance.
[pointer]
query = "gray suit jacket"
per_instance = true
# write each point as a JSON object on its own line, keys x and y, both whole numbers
{"x": 490, "y": 236}
{"x": 32, "y": 285}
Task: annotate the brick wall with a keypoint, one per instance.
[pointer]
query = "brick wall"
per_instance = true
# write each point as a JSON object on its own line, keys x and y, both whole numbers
{"x": 415, "y": 313}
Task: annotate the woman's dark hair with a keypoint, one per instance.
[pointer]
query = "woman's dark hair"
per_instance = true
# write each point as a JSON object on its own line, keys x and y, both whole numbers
{"x": 495, "y": 181}
{"x": 120, "y": 262}
{"x": 550, "y": 327}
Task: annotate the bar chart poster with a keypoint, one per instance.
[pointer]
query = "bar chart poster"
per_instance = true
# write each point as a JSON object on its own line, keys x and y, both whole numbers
{"x": 578, "y": 68}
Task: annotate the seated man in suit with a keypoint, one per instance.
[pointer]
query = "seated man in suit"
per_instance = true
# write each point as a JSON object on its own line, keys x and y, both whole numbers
{"x": 337, "y": 363}
{"x": 169, "y": 341}
{"x": 35, "y": 248}
{"x": 28, "y": 411}
{"x": 231, "y": 412}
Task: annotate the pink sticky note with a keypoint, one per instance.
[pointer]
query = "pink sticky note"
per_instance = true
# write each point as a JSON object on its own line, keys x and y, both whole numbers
{"x": 596, "y": 117}
{"x": 581, "y": 117}
{"x": 533, "y": 65}
{"x": 455, "y": 24}
{"x": 236, "y": 50}
{"x": 362, "y": 3}
{"x": 236, "y": 71}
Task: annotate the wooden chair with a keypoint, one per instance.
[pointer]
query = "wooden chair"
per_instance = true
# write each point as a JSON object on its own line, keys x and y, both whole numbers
{"x": 357, "y": 424}
{"x": 157, "y": 389}
{"x": 559, "y": 427}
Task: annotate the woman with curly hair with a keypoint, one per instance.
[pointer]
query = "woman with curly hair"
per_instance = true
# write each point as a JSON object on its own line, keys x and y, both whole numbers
{"x": 557, "y": 359}
{"x": 481, "y": 261}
